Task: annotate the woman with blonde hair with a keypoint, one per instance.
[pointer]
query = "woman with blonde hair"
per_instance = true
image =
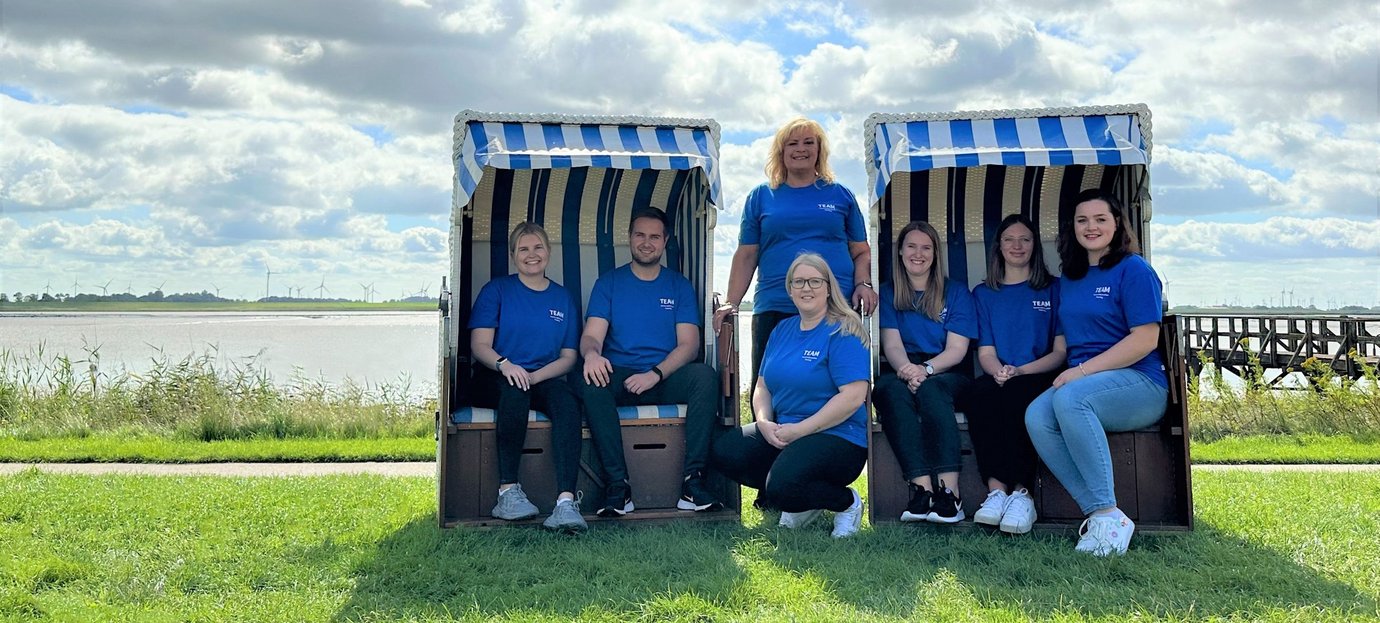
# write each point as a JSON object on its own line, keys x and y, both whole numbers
{"x": 799, "y": 209}
{"x": 926, "y": 327}
{"x": 808, "y": 440}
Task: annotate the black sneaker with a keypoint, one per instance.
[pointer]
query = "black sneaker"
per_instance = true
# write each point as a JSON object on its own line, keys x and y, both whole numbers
{"x": 618, "y": 500}
{"x": 919, "y": 507}
{"x": 695, "y": 497}
{"x": 947, "y": 507}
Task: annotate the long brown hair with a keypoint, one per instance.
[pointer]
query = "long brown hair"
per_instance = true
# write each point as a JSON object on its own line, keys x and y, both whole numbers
{"x": 932, "y": 303}
{"x": 1073, "y": 258}
{"x": 996, "y": 262}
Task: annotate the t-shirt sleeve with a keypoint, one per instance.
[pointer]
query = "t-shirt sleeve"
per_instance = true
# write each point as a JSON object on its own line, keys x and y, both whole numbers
{"x": 1054, "y": 306}
{"x": 886, "y": 308}
{"x": 486, "y": 307}
{"x": 962, "y": 313}
{"x": 572, "y": 328}
{"x": 848, "y": 359}
{"x": 984, "y": 316}
{"x": 687, "y": 307}
{"x": 853, "y": 226}
{"x": 750, "y": 232}
{"x": 601, "y": 298}
{"x": 1140, "y": 293}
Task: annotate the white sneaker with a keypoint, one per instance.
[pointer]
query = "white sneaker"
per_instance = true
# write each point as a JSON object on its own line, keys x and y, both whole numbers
{"x": 847, "y": 523}
{"x": 1105, "y": 535}
{"x": 1020, "y": 513}
{"x": 992, "y": 508}
{"x": 798, "y": 520}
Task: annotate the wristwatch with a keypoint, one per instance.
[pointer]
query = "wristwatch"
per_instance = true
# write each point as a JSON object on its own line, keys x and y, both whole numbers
{"x": 498, "y": 365}
{"x": 929, "y": 369}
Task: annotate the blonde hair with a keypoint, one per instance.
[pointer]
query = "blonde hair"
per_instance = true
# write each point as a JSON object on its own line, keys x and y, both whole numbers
{"x": 527, "y": 228}
{"x": 933, "y": 301}
{"x": 776, "y": 165}
{"x": 836, "y": 310}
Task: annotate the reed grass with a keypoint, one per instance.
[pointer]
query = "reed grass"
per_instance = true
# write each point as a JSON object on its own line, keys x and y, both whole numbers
{"x": 199, "y": 397}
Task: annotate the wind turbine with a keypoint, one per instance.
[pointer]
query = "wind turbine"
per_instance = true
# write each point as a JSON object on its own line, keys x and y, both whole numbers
{"x": 321, "y": 288}
{"x": 129, "y": 288}
{"x": 268, "y": 274}
{"x": 426, "y": 290}
{"x": 105, "y": 288}
{"x": 75, "y": 285}
{"x": 159, "y": 287}
{"x": 216, "y": 288}
{"x": 366, "y": 291}
{"x": 48, "y": 288}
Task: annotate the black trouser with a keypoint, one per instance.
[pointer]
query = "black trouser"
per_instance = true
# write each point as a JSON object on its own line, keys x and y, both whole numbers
{"x": 553, "y": 397}
{"x": 762, "y": 324}
{"x": 694, "y": 384}
{"x": 921, "y": 427}
{"x": 812, "y": 472}
{"x": 996, "y": 422}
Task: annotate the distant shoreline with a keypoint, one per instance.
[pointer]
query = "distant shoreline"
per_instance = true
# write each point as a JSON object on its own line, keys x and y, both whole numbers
{"x": 237, "y": 306}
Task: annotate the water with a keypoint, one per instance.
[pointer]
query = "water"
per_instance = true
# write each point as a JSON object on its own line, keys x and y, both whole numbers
{"x": 365, "y": 347}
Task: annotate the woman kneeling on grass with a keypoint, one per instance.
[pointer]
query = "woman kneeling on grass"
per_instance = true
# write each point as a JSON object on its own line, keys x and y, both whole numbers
{"x": 926, "y": 326}
{"x": 1021, "y": 348}
{"x": 809, "y": 440}
{"x": 1110, "y": 310}
{"x": 523, "y": 334}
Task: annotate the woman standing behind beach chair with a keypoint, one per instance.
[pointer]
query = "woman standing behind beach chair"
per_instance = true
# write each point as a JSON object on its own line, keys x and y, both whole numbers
{"x": 1110, "y": 310}
{"x": 799, "y": 209}
{"x": 1021, "y": 348}
{"x": 927, "y": 323}
{"x": 523, "y": 333}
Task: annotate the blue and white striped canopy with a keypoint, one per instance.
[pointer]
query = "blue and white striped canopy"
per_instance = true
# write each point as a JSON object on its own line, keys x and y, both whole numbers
{"x": 909, "y": 146}
{"x": 638, "y": 143}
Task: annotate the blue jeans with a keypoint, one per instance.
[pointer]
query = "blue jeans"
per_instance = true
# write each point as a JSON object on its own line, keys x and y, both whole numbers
{"x": 1068, "y": 427}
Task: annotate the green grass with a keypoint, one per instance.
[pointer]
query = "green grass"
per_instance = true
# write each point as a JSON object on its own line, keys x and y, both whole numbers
{"x": 159, "y": 450}
{"x": 364, "y": 548}
{"x": 1288, "y": 449}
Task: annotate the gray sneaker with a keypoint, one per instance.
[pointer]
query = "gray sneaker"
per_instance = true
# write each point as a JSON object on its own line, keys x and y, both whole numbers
{"x": 514, "y": 505}
{"x": 566, "y": 517}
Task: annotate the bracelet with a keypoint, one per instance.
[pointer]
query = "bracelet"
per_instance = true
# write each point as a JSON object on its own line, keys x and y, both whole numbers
{"x": 1080, "y": 369}
{"x": 868, "y": 284}
{"x": 658, "y": 372}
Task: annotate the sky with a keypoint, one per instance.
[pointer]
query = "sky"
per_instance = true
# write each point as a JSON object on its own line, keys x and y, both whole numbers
{"x": 193, "y": 146}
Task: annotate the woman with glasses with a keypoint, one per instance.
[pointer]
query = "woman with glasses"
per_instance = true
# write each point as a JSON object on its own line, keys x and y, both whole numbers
{"x": 799, "y": 209}
{"x": 1110, "y": 309}
{"x": 808, "y": 441}
{"x": 523, "y": 334}
{"x": 926, "y": 325}
{"x": 1021, "y": 349}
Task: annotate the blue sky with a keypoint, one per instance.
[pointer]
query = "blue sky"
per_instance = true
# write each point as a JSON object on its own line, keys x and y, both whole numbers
{"x": 196, "y": 143}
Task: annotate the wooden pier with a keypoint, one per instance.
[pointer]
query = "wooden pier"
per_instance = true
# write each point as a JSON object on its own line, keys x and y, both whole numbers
{"x": 1281, "y": 343}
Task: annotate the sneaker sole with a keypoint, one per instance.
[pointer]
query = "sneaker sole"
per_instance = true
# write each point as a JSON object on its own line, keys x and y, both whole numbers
{"x": 1013, "y": 529}
{"x": 611, "y": 512}
{"x": 908, "y": 517}
{"x": 937, "y": 518}
{"x": 687, "y": 505}
{"x": 986, "y": 521}
{"x": 515, "y": 517}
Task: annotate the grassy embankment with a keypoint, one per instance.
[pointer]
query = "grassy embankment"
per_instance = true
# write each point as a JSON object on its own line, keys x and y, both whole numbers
{"x": 360, "y": 548}
{"x": 53, "y": 408}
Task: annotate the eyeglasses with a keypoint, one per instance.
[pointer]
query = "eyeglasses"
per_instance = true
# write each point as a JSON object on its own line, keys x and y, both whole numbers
{"x": 1013, "y": 241}
{"x": 815, "y": 283}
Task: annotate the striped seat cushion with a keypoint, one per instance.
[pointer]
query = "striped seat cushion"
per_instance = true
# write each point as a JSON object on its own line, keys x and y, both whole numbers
{"x": 479, "y": 415}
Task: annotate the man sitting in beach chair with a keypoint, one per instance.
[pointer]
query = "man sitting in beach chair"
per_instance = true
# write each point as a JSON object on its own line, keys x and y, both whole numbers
{"x": 641, "y": 338}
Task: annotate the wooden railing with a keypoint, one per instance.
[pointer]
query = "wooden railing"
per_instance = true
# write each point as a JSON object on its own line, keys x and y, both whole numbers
{"x": 1281, "y": 343}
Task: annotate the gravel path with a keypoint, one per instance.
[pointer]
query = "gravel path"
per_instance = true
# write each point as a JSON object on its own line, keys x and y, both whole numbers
{"x": 428, "y": 468}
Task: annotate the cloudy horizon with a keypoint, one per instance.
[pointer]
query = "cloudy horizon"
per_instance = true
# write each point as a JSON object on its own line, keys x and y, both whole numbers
{"x": 195, "y": 146}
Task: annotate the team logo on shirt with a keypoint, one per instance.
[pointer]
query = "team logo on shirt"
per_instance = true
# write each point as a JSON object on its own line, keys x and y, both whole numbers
{"x": 1040, "y": 306}
{"x": 944, "y": 315}
{"x": 810, "y": 356}
{"x": 1102, "y": 292}
{"x": 668, "y": 304}
{"x": 828, "y": 207}
{"x": 556, "y": 315}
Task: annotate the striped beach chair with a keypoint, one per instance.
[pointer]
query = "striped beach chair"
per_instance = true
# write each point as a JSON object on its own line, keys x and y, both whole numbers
{"x": 964, "y": 172}
{"x": 580, "y": 178}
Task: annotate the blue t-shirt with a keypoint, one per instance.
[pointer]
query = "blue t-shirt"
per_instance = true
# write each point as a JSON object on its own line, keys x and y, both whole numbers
{"x": 786, "y": 222}
{"x": 1099, "y": 310}
{"x": 1019, "y": 321}
{"x": 804, "y": 369}
{"x": 919, "y": 332}
{"x": 530, "y": 327}
{"x": 642, "y": 315}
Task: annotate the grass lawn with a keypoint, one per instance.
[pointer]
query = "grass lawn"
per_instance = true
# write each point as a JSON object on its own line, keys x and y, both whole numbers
{"x": 1257, "y": 449}
{"x": 101, "y": 449}
{"x": 361, "y": 548}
